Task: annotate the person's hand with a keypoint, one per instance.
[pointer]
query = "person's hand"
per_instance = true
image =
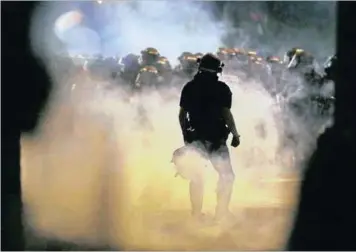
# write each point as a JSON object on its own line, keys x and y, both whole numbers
{"x": 186, "y": 138}
{"x": 235, "y": 142}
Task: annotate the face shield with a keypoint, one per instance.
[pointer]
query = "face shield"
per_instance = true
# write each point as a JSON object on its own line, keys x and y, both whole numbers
{"x": 210, "y": 63}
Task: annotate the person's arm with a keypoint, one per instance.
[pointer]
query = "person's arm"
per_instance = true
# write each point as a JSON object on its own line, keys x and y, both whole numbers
{"x": 182, "y": 115}
{"x": 226, "y": 113}
{"x": 230, "y": 122}
{"x": 182, "y": 111}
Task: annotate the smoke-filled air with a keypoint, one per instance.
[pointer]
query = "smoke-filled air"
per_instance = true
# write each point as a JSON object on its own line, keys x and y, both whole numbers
{"x": 99, "y": 168}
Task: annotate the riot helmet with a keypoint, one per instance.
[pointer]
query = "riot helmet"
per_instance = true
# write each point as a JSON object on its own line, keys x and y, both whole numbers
{"x": 210, "y": 63}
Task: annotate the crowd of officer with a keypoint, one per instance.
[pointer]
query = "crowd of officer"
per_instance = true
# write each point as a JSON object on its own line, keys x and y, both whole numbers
{"x": 205, "y": 102}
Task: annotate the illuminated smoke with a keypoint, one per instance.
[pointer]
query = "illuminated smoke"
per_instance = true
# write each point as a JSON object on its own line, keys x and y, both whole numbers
{"x": 97, "y": 174}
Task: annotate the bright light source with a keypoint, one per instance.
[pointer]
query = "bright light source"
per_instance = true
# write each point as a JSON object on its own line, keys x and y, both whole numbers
{"x": 67, "y": 21}
{"x": 99, "y": 2}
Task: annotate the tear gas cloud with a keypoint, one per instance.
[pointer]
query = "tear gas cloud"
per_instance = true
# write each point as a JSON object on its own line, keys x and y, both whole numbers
{"x": 315, "y": 30}
{"x": 98, "y": 172}
{"x": 130, "y": 26}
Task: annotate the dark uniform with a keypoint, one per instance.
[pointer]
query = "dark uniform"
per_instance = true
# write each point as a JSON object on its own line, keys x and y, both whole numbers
{"x": 203, "y": 98}
{"x": 203, "y": 101}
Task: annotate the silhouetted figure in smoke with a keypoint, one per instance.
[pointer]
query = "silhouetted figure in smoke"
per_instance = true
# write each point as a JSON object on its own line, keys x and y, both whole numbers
{"x": 149, "y": 57}
{"x": 302, "y": 62}
{"x": 206, "y": 122}
{"x": 130, "y": 68}
{"x": 187, "y": 66}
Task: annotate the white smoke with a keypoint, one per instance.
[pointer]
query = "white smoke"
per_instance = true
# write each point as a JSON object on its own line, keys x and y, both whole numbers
{"x": 172, "y": 27}
{"x": 98, "y": 173}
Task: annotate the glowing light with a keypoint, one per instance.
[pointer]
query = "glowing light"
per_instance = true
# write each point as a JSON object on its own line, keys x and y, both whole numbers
{"x": 190, "y": 58}
{"x": 67, "y": 21}
{"x": 299, "y": 51}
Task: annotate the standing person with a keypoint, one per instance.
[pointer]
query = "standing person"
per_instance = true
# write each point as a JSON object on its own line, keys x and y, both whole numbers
{"x": 206, "y": 121}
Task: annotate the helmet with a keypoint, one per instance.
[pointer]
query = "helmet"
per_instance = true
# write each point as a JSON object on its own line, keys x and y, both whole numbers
{"x": 149, "y": 69}
{"x": 294, "y": 50}
{"x": 150, "y": 50}
{"x": 297, "y": 56}
{"x": 258, "y": 60}
{"x": 239, "y": 51}
{"x": 225, "y": 53}
{"x": 162, "y": 60}
{"x": 150, "y": 54}
{"x": 252, "y": 55}
{"x": 190, "y": 58}
{"x": 241, "y": 55}
{"x": 210, "y": 63}
{"x": 188, "y": 161}
{"x": 222, "y": 50}
{"x": 184, "y": 55}
{"x": 273, "y": 59}
{"x": 198, "y": 55}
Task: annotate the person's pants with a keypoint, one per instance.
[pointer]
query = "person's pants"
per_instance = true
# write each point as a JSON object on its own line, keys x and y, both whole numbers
{"x": 218, "y": 155}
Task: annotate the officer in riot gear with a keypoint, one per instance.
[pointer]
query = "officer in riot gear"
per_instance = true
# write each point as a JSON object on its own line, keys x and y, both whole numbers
{"x": 149, "y": 56}
{"x": 187, "y": 64}
{"x": 327, "y": 100}
{"x": 206, "y": 121}
{"x": 302, "y": 62}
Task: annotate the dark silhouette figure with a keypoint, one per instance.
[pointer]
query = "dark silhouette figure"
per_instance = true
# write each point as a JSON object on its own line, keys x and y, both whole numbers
{"x": 326, "y": 213}
{"x": 206, "y": 122}
{"x": 25, "y": 89}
